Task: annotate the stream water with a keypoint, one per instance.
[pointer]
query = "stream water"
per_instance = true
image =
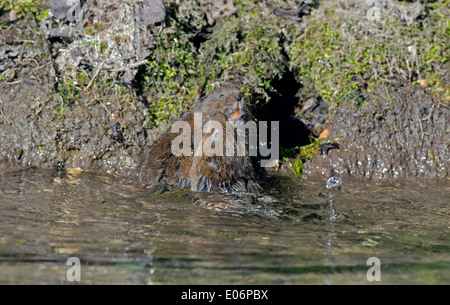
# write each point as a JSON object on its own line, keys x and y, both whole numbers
{"x": 314, "y": 231}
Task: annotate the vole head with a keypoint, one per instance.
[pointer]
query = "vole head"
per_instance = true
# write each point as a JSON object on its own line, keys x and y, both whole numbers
{"x": 226, "y": 100}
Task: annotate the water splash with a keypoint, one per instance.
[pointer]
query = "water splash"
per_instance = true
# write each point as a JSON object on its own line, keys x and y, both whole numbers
{"x": 331, "y": 183}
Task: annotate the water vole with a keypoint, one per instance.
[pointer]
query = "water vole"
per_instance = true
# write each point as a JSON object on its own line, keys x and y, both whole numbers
{"x": 207, "y": 172}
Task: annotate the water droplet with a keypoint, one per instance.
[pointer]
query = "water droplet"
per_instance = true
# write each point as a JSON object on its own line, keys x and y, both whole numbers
{"x": 333, "y": 182}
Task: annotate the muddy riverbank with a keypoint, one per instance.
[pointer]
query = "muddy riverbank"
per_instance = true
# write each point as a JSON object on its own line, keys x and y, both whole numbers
{"x": 93, "y": 94}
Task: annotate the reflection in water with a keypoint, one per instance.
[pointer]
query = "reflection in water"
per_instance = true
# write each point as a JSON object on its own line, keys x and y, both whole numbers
{"x": 126, "y": 234}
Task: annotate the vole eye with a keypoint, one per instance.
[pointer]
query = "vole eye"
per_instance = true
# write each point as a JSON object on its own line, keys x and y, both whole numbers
{"x": 221, "y": 95}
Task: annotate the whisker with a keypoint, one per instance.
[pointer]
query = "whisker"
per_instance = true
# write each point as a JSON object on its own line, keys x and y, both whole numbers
{"x": 250, "y": 114}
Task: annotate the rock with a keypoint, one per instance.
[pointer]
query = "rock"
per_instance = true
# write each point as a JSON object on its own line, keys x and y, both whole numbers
{"x": 59, "y": 9}
{"x": 62, "y": 32}
{"x": 152, "y": 11}
{"x": 12, "y": 15}
{"x": 3, "y": 52}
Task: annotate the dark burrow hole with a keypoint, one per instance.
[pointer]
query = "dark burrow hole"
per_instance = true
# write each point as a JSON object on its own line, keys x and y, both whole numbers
{"x": 138, "y": 85}
{"x": 201, "y": 36}
{"x": 293, "y": 132}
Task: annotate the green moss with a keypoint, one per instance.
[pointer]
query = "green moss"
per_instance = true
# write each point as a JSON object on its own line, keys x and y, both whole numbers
{"x": 17, "y": 4}
{"x": 103, "y": 47}
{"x": 81, "y": 77}
{"x": 34, "y": 7}
{"x": 326, "y": 61}
{"x": 172, "y": 77}
{"x": 244, "y": 48}
{"x": 247, "y": 47}
{"x": 69, "y": 94}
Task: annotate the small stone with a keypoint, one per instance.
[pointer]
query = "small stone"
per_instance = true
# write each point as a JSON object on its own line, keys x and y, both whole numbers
{"x": 423, "y": 82}
{"x": 12, "y": 15}
{"x": 13, "y": 54}
{"x": 153, "y": 11}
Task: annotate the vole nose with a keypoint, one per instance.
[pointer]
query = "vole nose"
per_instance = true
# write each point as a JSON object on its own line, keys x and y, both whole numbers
{"x": 239, "y": 100}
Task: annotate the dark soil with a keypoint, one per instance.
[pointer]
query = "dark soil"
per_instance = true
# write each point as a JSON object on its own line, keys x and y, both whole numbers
{"x": 401, "y": 132}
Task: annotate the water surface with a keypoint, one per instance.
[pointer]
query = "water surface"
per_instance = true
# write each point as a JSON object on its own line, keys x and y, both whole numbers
{"x": 307, "y": 233}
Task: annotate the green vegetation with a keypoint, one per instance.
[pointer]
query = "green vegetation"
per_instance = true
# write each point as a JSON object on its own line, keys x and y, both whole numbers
{"x": 172, "y": 75}
{"x": 69, "y": 93}
{"x": 248, "y": 48}
{"x": 234, "y": 51}
{"x": 330, "y": 55}
{"x": 35, "y": 7}
{"x": 335, "y": 49}
{"x": 296, "y": 166}
{"x": 295, "y": 158}
{"x": 16, "y": 4}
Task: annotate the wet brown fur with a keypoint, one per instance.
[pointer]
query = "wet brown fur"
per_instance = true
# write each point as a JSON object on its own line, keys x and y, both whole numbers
{"x": 219, "y": 174}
